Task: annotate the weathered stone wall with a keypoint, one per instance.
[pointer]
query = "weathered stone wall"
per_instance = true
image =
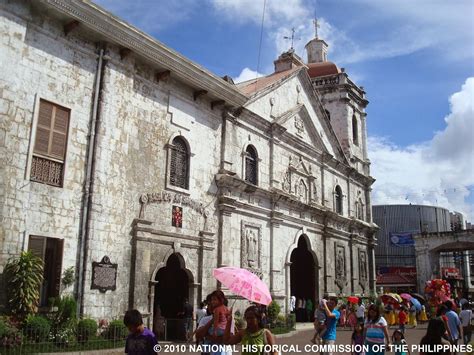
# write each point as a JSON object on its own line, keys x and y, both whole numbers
{"x": 139, "y": 118}
{"x": 39, "y": 62}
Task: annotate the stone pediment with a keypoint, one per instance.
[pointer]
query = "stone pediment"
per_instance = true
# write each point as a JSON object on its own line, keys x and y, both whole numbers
{"x": 297, "y": 122}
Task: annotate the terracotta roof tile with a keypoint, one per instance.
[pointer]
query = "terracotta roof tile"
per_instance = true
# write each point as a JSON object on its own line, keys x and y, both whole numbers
{"x": 394, "y": 279}
{"x": 322, "y": 69}
{"x": 251, "y": 86}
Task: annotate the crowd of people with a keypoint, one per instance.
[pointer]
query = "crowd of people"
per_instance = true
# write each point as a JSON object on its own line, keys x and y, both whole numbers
{"x": 215, "y": 325}
{"x": 372, "y": 329}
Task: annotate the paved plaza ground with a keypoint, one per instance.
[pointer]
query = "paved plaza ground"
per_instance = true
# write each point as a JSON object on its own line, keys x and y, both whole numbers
{"x": 304, "y": 332}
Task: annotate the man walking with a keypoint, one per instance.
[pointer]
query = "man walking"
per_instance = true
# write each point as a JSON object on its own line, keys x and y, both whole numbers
{"x": 332, "y": 317}
{"x": 360, "y": 312}
{"x": 454, "y": 324}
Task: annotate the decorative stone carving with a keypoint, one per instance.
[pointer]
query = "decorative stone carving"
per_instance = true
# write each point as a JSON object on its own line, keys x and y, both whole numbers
{"x": 340, "y": 269}
{"x": 314, "y": 192}
{"x": 251, "y": 246}
{"x": 302, "y": 191}
{"x": 362, "y": 268}
{"x": 166, "y": 196}
{"x": 286, "y": 184}
{"x": 299, "y": 125}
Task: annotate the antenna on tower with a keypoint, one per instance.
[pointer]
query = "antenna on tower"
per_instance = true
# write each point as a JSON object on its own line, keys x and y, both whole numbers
{"x": 292, "y": 38}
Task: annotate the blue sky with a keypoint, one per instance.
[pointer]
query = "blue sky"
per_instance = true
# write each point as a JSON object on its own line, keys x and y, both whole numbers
{"x": 414, "y": 59}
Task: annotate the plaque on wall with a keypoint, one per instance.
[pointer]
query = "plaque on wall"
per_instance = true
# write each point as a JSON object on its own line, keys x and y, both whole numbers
{"x": 177, "y": 217}
{"x": 104, "y": 275}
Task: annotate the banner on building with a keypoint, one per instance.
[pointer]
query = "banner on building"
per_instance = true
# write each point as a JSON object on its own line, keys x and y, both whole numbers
{"x": 451, "y": 273}
{"x": 406, "y": 271}
{"x": 402, "y": 239}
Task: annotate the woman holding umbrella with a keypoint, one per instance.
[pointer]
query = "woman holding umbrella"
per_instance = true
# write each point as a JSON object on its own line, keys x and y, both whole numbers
{"x": 255, "y": 335}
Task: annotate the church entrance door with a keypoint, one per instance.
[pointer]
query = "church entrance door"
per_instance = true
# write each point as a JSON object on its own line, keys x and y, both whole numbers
{"x": 171, "y": 291}
{"x": 303, "y": 280}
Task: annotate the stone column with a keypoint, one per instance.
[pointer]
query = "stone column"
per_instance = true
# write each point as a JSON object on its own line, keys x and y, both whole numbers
{"x": 349, "y": 200}
{"x": 226, "y": 165}
{"x": 368, "y": 205}
{"x": 363, "y": 120}
{"x": 372, "y": 278}
{"x": 225, "y": 231}
{"x": 287, "y": 285}
{"x": 351, "y": 264}
{"x": 467, "y": 271}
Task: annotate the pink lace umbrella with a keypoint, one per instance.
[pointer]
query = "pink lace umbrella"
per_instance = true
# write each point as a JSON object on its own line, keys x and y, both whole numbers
{"x": 406, "y": 296}
{"x": 244, "y": 283}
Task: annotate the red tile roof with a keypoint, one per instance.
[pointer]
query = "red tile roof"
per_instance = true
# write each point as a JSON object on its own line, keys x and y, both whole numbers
{"x": 322, "y": 69}
{"x": 249, "y": 87}
{"x": 395, "y": 279}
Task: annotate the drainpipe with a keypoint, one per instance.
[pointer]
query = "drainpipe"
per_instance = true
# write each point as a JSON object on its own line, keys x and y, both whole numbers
{"x": 84, "y": 231}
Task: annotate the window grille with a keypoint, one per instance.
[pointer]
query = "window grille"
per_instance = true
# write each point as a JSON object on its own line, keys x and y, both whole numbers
{"x": 179, "y": 164}
{"x": 49, "y": 152}
{"x": 338, "y": 199}
{"x": 251, "y": 168}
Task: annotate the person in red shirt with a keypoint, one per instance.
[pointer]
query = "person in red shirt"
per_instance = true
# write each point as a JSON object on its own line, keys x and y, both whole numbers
{"x": 402, "y": 319}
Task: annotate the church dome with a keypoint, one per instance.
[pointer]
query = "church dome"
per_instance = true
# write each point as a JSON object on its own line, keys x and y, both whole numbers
{"x": 322, "y": 69}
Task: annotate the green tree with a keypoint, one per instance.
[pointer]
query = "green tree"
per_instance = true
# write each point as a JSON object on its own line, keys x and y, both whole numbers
{"x": 23, "y": 276}
{"x": 273, "y": 310}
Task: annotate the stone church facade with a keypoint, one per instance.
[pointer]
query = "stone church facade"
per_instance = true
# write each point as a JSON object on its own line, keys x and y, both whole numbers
{"x": 116, "y": 149}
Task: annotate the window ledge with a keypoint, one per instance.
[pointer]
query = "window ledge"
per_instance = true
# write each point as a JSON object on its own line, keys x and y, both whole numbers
{"x": 178, "y": 189}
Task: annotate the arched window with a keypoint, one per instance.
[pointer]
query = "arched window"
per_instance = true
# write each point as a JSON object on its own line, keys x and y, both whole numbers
{"x": 338, "y": 199}
{"x": 355, "y": 131}
{"x": 251, "y": 165}
{"x": 179, "y": 164}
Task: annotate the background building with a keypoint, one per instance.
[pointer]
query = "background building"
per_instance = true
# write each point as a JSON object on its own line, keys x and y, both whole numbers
{"x": 395, "y": 255}
{"x": 446, "y": 255}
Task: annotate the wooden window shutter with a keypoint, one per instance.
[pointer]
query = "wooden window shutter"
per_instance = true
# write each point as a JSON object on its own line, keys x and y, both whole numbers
{"x": 49, "y": 152}
{"x": 36, "y": 246}
{"x": 59, "y": 134}
{"x": 51, "y": 133}
{"x": 43, "y": 131}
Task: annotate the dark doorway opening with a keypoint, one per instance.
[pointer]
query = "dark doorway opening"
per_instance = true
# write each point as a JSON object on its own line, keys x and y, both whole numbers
{"x": 303, "y": 281}
{"x": 171, "y": 290}
{"x": 50, "y": 250}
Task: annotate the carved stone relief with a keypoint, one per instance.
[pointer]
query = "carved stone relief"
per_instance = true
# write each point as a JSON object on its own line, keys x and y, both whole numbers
{"x": 362, "y": 268}
{"x": 340, "y": 269}
{"x": 251, "y": 246}
{"x": 302, "y": 191}
{"x": 286, "y": 184}
{"x": 299, "y": 125}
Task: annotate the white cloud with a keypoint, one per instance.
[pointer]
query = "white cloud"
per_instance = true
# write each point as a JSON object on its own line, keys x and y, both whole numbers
{"x": 393, "y": 27}
{"x": 247, "y": 74}
{"x": 438, "y": 172}
{"x": 243, "y": 11}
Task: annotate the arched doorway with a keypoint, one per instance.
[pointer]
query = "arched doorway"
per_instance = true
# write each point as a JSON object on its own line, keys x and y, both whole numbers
{"x": 303, "y": 278}
{"x": 171, "y": 291}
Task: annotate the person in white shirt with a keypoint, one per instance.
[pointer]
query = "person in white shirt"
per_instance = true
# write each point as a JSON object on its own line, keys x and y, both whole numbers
{"x": 201, "y": 312}
{"x": 292, "y": 304}
{"x": 465, "y": 317}
{"x": 360, "y": 312}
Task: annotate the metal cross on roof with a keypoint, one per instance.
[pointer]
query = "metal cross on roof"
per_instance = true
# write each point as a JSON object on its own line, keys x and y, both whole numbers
{"x": 292, "y": 37}
{"x": 316, "y": 26}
